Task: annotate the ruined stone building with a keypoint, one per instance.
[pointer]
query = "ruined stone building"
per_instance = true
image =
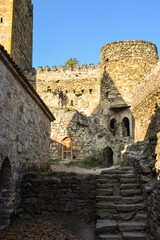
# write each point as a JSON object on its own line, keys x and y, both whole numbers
{"x": 107, "y": 107}
{"x": 97, "y": 112}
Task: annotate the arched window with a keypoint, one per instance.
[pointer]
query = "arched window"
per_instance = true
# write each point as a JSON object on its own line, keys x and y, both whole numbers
{"x": 113, "y": 126}
{"x": 125, "y": 127}
{"x": 67, "y": 148}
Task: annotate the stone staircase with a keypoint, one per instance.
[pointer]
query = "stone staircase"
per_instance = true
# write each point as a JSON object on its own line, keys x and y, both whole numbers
{"x": 120, "y": 206}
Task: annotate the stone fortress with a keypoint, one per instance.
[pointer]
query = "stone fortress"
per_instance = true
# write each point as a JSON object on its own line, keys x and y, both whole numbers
{"x": 113, "y": 106}
{"x": 97, "y": 110}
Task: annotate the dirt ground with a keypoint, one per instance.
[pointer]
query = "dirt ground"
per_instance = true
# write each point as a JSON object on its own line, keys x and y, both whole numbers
{"x": 55, "y": 227}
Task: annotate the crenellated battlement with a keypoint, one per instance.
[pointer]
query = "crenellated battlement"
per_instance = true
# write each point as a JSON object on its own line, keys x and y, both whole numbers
{"x": 61, "y": 68}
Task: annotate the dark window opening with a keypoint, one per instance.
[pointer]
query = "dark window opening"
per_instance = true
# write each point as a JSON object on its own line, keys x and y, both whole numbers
{"x": 74, "y": 91}
{"x": 125, "y": 127}
{"x": 48, "y": 89}
{"x": 66, "y": 91}
{"x": 1, "y": 20}
{"x": 82, "y": 90}
{"x": 90, "y": 91}
{"x": 5, "y": 175}
{"x": 113, "y": 126}
{"x": 108, "y": 156}
{"x": 72, "y": 103}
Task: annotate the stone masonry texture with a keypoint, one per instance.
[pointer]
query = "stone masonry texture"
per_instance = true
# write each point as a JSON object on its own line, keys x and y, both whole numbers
{"x": 24, "y": 134}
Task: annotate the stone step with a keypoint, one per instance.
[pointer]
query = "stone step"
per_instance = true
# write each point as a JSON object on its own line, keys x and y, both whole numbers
{"x": 129, "y": 186}
{"x": 115, "y": 176}
{"x": 104, "y": 186}
{"x": 104, "y": 192}
{"x": 141, "y": 217}
{"x": 118, "y": 170}
{"x": 129, "y": 226}
{"x": 119, "y": 199}
{"x": 104, "y": 214}
{"x": 132, "y": 192}
{"x": 110, "y": 237}
{"x": 104, "y": 180}
{"x": 108, "y": 198}
{"x": 105, "y": 225}
{"x": 134, "y": 236}
{"x": 128, "y": 180}
{"x": 120, "y": 207}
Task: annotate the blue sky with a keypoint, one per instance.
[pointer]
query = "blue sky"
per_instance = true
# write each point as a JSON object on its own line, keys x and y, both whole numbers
{"x": 70, "y": 28}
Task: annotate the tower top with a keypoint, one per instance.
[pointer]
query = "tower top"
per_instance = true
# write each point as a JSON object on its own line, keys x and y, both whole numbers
{"x": 16, "y": 30}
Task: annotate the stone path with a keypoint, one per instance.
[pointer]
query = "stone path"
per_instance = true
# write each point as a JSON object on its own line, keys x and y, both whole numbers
{"x": 120, "y": 206}
{"x": 62, "y": 168}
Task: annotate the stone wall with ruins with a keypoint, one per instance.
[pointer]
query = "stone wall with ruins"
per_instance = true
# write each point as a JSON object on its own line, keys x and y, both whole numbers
{"x": 24, "y": 133}
{"x": 97, "y": 103}
{"x": 146, "y": 103}
{"x": 16, "y": 26}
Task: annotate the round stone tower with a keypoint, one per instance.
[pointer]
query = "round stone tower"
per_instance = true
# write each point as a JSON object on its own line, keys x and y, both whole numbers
{"x": 126, "y": 63}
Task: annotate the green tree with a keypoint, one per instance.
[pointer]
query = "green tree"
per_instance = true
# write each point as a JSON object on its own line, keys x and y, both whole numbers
{"x": 71, "y": 62}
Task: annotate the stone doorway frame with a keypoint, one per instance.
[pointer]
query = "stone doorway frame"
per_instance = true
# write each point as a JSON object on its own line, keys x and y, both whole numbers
{"x": 66, "y": 148}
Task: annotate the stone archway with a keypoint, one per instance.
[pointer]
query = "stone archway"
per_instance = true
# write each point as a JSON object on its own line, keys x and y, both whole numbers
{"x": 5, "y": 192}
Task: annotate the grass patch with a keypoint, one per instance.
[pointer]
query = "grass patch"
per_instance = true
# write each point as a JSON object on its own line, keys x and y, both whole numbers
{"x": 84, "y": 164}
{"x": 50, "y": 173}
{"x": 54, "y": 161}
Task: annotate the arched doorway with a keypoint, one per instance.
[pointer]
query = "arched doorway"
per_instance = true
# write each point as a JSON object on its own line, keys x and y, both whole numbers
{"x": 125, "y": 127}
{"x": 108, "y": 156}
{"x": 67, "y": 148}
{"x": 5, "y": 191}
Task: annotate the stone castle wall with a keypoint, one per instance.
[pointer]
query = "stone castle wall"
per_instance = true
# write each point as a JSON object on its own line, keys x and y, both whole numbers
{"x": 146, "y": 102}
{"x": 24, "y": 133}
{"x": 65, "y": 194}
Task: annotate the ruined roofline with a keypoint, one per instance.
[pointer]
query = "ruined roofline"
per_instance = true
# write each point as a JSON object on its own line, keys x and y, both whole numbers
{"x": 17, "y": 73}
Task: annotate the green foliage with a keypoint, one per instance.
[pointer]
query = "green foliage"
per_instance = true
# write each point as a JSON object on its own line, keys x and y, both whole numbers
{"x": 71, "y": 62}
